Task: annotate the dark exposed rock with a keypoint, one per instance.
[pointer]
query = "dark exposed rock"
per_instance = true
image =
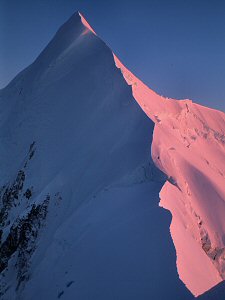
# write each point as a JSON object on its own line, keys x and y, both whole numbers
{"x": 29, "y": 232}
{"x": 60, "y": 294}
{"x": 31, "y": 150}
{"x": 28, "y": 194}
{"x": 214, "y": 253}
{"x": 11, "y": 195}
{"x": 21, "y": 239}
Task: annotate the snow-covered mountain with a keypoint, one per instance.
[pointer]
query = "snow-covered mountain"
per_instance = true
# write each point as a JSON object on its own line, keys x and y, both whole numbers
{"x": 81, "y": 169}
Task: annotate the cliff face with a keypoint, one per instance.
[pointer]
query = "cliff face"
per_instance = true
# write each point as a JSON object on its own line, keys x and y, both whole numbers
{"x": 79, "y": 197}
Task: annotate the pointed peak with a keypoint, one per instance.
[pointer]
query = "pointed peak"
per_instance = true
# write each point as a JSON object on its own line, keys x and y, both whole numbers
{"x": 85, "y": 22}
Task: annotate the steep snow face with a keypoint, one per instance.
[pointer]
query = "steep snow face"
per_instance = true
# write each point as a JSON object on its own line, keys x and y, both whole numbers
{"x": 79, "y": 189}
{"x": 189, "y": 147}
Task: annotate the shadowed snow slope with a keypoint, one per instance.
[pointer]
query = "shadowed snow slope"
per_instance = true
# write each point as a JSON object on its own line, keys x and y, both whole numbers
{"x": 79, "y": 189}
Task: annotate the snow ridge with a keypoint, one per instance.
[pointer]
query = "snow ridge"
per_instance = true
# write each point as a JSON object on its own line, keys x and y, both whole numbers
{"x": 195, "y": 180}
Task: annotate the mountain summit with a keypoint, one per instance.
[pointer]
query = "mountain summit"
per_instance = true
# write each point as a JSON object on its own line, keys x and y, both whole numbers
{"x": 86, "y": 149}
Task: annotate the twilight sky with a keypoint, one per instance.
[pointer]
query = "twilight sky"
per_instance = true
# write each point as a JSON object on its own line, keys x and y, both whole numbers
{"x": 176, "y": 47}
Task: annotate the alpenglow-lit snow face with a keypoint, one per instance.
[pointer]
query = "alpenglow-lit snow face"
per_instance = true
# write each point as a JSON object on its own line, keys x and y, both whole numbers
{"x": 189, "y": 147}
{"x": 79, "y": 189}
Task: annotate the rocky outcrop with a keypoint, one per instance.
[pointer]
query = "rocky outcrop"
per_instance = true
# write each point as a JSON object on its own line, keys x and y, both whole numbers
{"x": 18, "y": 235}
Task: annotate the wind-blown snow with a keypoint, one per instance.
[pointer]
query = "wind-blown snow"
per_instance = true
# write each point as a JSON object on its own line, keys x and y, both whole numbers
{"x": 86, "y": 205}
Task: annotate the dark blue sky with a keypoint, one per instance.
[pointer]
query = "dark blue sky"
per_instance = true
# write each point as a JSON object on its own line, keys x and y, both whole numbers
{"x": 176, "y": 47}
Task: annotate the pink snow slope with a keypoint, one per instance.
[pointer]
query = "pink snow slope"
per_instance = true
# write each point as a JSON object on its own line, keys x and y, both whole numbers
{"x": 189, "y": 147}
